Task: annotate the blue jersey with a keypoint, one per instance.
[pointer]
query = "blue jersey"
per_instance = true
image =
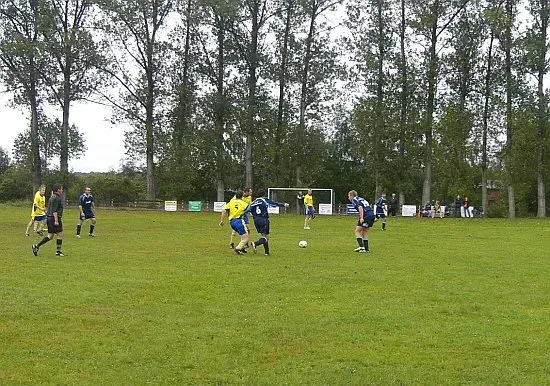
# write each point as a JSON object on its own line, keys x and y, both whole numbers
{"x": 380, "y": 205}
{"x": 259, "y": 206}
{"x": 361, "y": 202}
{"x": 86, "y": 201}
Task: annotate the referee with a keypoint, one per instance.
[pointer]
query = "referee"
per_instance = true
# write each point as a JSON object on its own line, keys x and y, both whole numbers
{"x": 53, "y": 221}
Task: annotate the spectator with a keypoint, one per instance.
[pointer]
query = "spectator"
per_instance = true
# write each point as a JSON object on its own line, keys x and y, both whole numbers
{"x": 466, "y": 205}
{"x": 394, "y": 205}
{"x": 458, "y": 205}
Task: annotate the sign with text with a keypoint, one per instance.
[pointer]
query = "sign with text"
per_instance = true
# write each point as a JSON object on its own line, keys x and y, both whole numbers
{"x": 195, "y": 206}
{"x": 218, "y": 206}
{"x": 273, "y": 209}
{"x": 408, "y": 210}
{"x": 170, "y": 206}
{"x": 350, "y": 209}
{"x": 325, "y": 209}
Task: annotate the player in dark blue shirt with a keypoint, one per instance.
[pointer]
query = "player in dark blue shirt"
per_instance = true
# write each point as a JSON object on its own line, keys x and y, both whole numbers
{"x": 366, "y": 220}
{"x": 86, "y": 205}
{"x": 258, "y": 209}
{"x": 381, "y": 209}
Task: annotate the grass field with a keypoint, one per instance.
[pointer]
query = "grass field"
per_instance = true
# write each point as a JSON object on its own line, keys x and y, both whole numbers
{"x": 159, "y": 298}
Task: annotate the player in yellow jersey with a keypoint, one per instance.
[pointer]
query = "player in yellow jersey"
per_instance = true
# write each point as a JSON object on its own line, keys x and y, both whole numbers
{"x": 38, "y": 212}
{"x": 310, "y": 210}
{"x": 234, "y": 210}
{"x": 247, "y": 197}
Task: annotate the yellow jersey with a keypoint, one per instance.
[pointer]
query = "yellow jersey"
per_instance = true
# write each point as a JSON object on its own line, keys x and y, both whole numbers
{"x": 308, "y": 200}
{"x": 248, "y": 199}
{"x": 236, "y": 208}
{"x": 38, "y": 205}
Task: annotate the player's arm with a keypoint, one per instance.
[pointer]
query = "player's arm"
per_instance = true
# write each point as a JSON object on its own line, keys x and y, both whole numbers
{"x": 223, "y": 214}
{"x": 273, "y": 203}
{"x": 361, "y": 214}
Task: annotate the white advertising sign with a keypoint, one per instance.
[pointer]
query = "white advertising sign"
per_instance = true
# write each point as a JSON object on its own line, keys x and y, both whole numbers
{"x": 408, "y": 210}
{"x": 218, "y": 206}
{"x": 325, "y": 209}
{"x": 170, "y": 206}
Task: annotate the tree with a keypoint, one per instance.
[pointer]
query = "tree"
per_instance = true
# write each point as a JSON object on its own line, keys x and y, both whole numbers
{"x": 4, "y": 160}
{"x": 135, "y": 26}
{"x": 22, "y": 60}
{"x": 70, "y": 44}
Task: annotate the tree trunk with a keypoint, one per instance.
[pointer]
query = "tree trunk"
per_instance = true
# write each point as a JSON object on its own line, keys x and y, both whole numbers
{"x": 543, "y": 116}
{"x": 403, "y": 102}
{"x": 509, "y": 86}
{"x": 35, "y": 147}
{"x": 432, "y": 80}
{"x": 64, "y": 156}
{"x": 149, "y": 125}
{"x": 219, "y": 110}
{"x": 484, "y": 161}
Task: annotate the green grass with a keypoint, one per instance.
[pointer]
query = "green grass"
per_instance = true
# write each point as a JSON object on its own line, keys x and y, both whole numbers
{"x": 159, "y": 298}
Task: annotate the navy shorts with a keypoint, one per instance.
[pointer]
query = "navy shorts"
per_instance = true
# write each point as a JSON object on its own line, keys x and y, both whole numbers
{"x": 310, "y": 211}
{"x": 52, "y": 228}
{"x": 87, "y": 215}
{"x": 39, "y": 218}
{"x": 262, "y": 225}
{"x": 368, "y": 221}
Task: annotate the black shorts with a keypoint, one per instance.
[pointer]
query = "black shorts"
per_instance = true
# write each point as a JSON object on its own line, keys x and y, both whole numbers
{"x": 87, "y": 215}
{"x": 262, "y": 225}
{"x": 52, "y": 228}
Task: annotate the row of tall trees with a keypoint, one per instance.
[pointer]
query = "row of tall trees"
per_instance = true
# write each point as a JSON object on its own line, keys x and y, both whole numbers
{"x": 426, "y": 98}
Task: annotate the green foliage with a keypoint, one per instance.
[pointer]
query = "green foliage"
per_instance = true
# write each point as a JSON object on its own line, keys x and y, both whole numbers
{"x": 159, "y": 298}
{"x": 4, "y": 160}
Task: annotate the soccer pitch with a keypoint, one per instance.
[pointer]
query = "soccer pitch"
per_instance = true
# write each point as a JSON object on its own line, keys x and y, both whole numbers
{"x": 159, "y": 298}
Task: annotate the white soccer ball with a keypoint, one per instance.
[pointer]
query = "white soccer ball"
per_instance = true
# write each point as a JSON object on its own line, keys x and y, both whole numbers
{"x": 302, "y": 244}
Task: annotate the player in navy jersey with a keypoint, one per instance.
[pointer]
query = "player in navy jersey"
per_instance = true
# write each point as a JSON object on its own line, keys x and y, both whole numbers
{"x": 381, "y": 209}
{"x": 258, "y": 209}
{"x": 366, "y": 219}
{"x": 86, "y": 205}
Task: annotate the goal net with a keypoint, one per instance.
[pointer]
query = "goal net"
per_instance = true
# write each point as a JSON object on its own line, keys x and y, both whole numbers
{"x": 323, "y": 199}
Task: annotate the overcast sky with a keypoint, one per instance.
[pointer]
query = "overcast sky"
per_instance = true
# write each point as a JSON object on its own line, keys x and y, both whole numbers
{"x": 104, "y": 141}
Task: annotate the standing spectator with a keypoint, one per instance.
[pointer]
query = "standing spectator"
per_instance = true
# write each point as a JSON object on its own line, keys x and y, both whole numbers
{"x": 466, "y": 206}
{"x": 393, "y": 206}
{"x": 381, "y": 209}
{"x": 310, "y": 210}
{"x": 366, "y": 220}
{"x": 53, "y": 220}
{"x": 458, "y": 205}
{"x": 258, "y": 208}
{"x": 299, "y": 202}
{"x": 38, "y": 213}
{"x": 86, "y": 205}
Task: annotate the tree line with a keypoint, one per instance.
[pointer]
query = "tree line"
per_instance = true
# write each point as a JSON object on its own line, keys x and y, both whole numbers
{"x": 428, "y": 99}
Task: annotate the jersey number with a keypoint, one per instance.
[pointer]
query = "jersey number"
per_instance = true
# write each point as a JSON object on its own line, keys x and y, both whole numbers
{"x": 258, "y": 210}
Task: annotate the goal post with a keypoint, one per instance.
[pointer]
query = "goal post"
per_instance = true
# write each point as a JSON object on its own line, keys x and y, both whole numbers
{"x": 323, "y": 199}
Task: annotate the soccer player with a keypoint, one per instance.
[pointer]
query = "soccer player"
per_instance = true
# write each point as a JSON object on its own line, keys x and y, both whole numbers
{"x": 247, "y": 197}
{"x": 38, "y": 212}
{"x": 53, "y": 221}
{"x": 258, "y": 208}
{"x": 310, "y": 210}
{"x": 381, "y": 209}
{"x": 86, "y": 205}
{"x": 235, "y": 209}
{"x": 366, "y": 219}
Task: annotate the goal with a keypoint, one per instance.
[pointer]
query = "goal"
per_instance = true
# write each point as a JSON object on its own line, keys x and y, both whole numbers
{"x": 323, "y": 199}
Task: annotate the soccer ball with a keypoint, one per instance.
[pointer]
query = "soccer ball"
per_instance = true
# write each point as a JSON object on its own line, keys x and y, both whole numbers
{"x": 302, "y": 244}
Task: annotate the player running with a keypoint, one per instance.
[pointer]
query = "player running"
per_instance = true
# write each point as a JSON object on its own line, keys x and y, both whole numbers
{"x": 86, "y": 205}
{"x": 259, "y": 212}
{"x": 235, "y": 210}
{"x": 247, "y": 197}
{"x": 366, "y": 219}
{"x": 310, "y": 209}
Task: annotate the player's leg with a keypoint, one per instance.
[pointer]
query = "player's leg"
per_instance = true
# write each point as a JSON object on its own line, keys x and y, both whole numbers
{"x": 59, "y": 241}
{"x": 47, "y": 238}
{"x": 81, "y": 220}
{"x": 359, "y": 236}
{"x": 383, "y": 222}
{"x": 31, "y": 223}
{"x": 92, "y": 226}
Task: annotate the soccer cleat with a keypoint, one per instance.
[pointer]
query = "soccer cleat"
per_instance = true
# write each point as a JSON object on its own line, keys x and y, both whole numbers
{"x": 77, "y": 236}
{"x": 92, "y": 235}
{"x": 232, "y": 245}
{"x": 35, "y": 249}
{"x": 39, "y": 233}
{"x": 59, "y": 253}
{"x": 26, "y": 234}
{"x": 307, "y": 228}
{"x": 244, "y": 251}
{"x": 362, "y": 250}
{"x": 266, "y": 254}
{"x": 358, "y": 249}
{"x": 238, "y": 251}
{"x": 254, "y": 248}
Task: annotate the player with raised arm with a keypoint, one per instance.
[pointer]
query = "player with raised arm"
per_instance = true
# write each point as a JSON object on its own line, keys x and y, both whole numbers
{"x": 235, "y": 211}
{"x": 38, "y": 212}
{"x": 310, "y": 209}
{"x": 366, "y": 219}
{"x": 381, "y": 209}
{"x": 86, "y": 206}
{"x": 260, "y": 214}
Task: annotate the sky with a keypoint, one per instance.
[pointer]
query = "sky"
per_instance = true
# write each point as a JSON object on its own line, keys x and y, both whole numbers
{"x": 104, "y": 141}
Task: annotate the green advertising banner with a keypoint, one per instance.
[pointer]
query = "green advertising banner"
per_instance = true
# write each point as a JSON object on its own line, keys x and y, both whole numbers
{"x": 195, "y": 206}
